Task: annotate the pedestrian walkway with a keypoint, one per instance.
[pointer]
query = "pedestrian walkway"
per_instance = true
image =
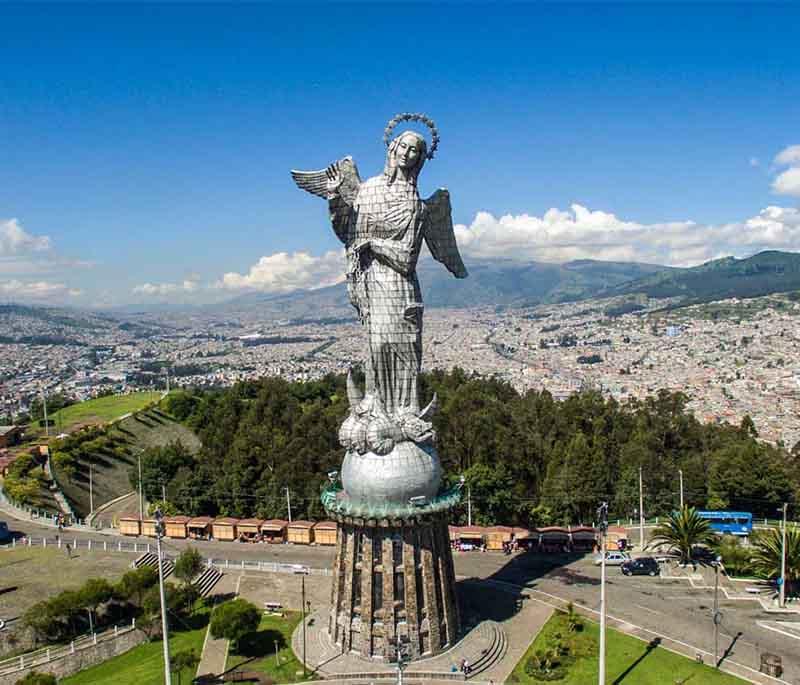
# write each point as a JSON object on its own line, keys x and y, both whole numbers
{"x": 215, "y": 650}
{"x": 491, "y": 647}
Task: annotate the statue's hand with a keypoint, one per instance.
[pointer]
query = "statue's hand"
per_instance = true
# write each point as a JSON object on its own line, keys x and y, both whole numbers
{"x": 335, "y": 179}
{"x": 362, "y": 246}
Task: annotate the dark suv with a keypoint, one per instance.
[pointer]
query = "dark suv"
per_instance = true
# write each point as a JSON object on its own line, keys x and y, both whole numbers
{"x": 643, "y": 566}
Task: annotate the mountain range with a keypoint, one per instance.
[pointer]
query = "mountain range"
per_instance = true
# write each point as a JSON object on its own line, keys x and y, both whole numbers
{"x": 508, "y": 283}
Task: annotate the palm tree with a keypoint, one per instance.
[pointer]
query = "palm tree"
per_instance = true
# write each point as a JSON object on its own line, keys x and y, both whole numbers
{"x": 681, "y": 531}
{"x": 766, "y": 560}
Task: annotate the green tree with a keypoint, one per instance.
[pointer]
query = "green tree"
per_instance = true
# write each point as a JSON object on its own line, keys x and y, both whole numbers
{"x": 135, "y": 583}
{"x": 235, "y": 619}
{"x": 767, "y": 555}
{"x": 188, "y": 565}
{"x": 184, "y": 660}
{"x": 36, "y": 678}
{"x": 681, "y": 531}
{"x": 93, "y": 593}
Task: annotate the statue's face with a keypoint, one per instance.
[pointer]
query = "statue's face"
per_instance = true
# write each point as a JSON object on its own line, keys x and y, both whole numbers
{"x": 407, "y": 152}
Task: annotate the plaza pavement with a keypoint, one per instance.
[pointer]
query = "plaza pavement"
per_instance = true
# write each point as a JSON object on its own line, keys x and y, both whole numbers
{"x": 668, "y": 606}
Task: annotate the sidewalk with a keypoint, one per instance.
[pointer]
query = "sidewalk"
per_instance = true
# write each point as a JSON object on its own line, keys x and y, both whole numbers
{"x": 215, "y": 650}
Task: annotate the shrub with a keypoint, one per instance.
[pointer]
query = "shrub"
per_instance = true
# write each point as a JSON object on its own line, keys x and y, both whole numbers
{"x": 235, "y": 619}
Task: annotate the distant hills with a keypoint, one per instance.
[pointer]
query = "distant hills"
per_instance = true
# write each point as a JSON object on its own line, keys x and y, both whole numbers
{"x": 498, "y": 283}
{"x": 509, "y": 283}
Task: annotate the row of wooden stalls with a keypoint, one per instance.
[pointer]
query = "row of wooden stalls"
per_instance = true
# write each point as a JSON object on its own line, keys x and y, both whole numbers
{"x": 276, "y": 531}
{"x": 545, "y": 539}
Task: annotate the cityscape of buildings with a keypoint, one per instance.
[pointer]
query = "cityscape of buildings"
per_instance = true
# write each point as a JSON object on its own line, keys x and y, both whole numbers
{"x": 732, "y": 358}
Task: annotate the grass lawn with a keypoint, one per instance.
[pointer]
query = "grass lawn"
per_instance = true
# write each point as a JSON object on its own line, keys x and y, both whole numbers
{"x": 256, "y": 652}
{"x": 629, "y": 661}
{"x": 144, "y": 665}
{"x": 31, "y": 574}
{"x": 100, "y": 410}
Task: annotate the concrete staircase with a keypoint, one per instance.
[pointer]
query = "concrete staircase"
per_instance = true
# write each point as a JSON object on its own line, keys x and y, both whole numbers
{"x": 207, "y": 579}
{"x": 151, "y": 559}
{"x": 498, "y": 645}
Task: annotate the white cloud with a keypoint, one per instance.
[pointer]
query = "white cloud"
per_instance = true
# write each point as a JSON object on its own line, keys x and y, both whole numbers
{"x": 282, "y": 272}
{"x": 36, "y": 290}
{"x": 788, "y": 182}
{"x": 788, "y": 156}
{"x": 162, "y": 289}
{"x": 580, "y": 233}
{"x": 15, "y": 240}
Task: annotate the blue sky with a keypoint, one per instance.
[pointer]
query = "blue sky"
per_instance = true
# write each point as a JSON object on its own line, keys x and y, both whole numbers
{"x": 146, "y": 148}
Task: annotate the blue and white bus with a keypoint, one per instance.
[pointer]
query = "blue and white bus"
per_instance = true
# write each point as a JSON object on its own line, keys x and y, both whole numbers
{"x": 730, "y": 522}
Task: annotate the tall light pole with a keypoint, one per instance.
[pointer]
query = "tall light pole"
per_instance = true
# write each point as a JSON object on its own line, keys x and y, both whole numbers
{"x": 44, "y": 407}
{"x": 91, "y": 490}
{"x": 469, "y": 505}
{"x": 782, "y": 600}
{"x": 141, "y": 498}
{"x": 288, "y": 504}
{"x": 164, "y": 628}
{"x": 680, "y": 477}
{"x": 641, "y": 510}
{"x": 717, "y": 616}
{"x": 602, "y": 516}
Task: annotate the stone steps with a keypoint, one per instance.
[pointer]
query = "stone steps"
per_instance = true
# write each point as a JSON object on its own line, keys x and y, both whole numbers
{"x": 151, "y": 559}
{"x": 207, "y": 579}
{"x": 495, "y": 652}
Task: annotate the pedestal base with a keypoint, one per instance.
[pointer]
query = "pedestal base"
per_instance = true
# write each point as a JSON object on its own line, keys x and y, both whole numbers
{"x": 394, "y": 582}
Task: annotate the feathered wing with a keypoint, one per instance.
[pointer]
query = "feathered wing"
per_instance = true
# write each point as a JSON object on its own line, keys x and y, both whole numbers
{"x": 439, "y": 234}
{"x": 316, "y": 182}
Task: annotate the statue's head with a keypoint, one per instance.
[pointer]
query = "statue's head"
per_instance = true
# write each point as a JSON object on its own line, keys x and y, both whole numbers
{"x": 408, "y": 151}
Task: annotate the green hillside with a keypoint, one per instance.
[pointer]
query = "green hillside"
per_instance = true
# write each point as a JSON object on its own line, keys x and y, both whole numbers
{"x": 100, "y": 410}
{"x": 762, "y": 274}
{"x": 112, "y": 451}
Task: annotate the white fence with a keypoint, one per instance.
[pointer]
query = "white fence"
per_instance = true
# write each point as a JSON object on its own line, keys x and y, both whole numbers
{"x": 61, "y": 542}
{"x": 43, "y": 656}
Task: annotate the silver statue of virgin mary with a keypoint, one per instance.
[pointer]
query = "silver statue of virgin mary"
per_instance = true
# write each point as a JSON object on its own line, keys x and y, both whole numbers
{"x": 382, "y": 223}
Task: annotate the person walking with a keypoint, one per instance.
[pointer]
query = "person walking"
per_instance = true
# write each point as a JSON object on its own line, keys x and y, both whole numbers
{"x": 69, "y": 551}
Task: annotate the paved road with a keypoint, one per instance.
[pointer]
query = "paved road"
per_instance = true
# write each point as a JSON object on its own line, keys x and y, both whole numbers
{"x": 667, "y": 607}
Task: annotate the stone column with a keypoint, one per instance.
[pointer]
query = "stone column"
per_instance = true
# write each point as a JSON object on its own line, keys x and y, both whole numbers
{"x": 410, "y": 573}
{"x": 341, "y": 538}
{"x": 345, "y": 608}
{"x": 444, "y": 558}
{"x": 389, "y": 617}
{"x": 429, "y": 587}
{"x": 367, "y": 572}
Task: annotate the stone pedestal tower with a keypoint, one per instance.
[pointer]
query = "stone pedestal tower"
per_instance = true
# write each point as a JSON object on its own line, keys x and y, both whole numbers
{"x": 394, "y": 583}
{"x": 394, "y": 586}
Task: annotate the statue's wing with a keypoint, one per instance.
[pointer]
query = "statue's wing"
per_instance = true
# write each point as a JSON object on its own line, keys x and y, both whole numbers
{"x": 316, "y": 182}
{"x": 439, "y": 235}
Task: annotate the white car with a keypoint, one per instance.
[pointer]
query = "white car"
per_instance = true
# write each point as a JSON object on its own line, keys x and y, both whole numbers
{"x": 613, "y": 559}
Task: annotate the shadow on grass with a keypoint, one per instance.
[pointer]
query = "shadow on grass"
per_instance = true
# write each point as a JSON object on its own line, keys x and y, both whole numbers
{"x": 653, "y": 644}
{"x": 260, "y": 644}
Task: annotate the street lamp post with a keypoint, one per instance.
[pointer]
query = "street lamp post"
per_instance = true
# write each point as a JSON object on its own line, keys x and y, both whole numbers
{"x": 782, "y": 600}
{"x": 717, "y": 616}
{"x": 680, "y": 478}
{"x": 165, "y": 639}
{"x": 602, "y": 516}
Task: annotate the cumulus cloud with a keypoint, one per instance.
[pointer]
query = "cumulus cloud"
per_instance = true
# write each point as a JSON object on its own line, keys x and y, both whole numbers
{"x": 788, "y": 156}
{"x": 36, "y": 290}
{"x": 162, "y": 289}
{"x": 788, "y": 181}
{"x": 15, "y": 240}
{"x": 581, "y": 233}
{"x": 282, "y": 272}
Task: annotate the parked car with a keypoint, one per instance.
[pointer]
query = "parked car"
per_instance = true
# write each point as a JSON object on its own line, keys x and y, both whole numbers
{"x": 5, "y": 533}
{"x": 613, "y": 558}
{"x": 643, "y": 566}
